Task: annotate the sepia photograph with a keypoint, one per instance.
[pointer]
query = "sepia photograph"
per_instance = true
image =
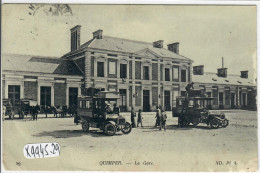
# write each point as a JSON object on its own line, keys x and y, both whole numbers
{"x": 120, "y": 87}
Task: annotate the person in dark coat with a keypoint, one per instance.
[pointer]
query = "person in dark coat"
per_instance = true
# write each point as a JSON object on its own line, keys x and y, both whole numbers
{"x": 133, "y": 115}
{"x": 163, "y": 120}
{"x": 157, "y": 116}
{"x": 116, "y": 109}
{"x": 140, "y": 118}
{"x": 188, "y": 88}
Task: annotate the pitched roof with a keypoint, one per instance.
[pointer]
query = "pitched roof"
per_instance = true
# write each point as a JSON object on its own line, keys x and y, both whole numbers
{"x": 213, "y": 78}
{"x": 38, "y": 64}
{"x": 128, "y": 46}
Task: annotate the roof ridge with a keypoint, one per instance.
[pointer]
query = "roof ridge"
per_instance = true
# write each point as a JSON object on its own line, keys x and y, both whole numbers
{"x": 227, "y": 75}
{"x": 124, "y": 39}
{"x": 32, "y": 56}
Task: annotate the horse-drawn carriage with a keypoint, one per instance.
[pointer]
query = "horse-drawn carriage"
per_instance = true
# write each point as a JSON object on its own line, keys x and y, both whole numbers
{"x": 27, "y": 106}
{"x": 8, "y": 109}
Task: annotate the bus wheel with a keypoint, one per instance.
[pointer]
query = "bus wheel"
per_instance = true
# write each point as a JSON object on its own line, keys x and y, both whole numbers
{"x": 85, "y": 126}
{"x": 110, "y": 129}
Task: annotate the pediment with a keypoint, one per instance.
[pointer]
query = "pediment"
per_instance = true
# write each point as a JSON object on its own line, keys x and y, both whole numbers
{"x": 147, "y": 53}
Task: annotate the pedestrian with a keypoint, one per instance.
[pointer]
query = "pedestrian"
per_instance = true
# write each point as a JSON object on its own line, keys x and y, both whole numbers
{"x": 140, "y": 118}
{"x": 157, "y": 116}
{"x": 188, "y": 88}
{"x": 163, "y": 120}
{"x": 34, "y": 113}
{"x": 116, "y": 109}
{"x": 133, "y": 115}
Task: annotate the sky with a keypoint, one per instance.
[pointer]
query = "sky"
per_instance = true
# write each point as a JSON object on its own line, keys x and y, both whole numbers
{"x": 205, "y": 33}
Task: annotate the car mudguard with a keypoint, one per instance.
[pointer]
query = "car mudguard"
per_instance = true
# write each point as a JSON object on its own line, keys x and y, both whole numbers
{"x": 111, "y": 122}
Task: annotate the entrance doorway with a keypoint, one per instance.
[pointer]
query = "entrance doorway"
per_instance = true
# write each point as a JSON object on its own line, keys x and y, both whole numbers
{"x": 122, "y": 100}
{"x": 146, "y": 100}
{"x": 14, "y": 94}
{"x": 46, "y": 96}
{"x": 73, "y": 96}
{"x": 167, "y": 98}
{"x": 221, "y": 105}
{"x": 244, "y": 99}
{"x": 232, "y": 100}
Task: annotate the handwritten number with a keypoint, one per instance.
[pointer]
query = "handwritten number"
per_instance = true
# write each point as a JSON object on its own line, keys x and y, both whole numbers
{"x": 41, "y": 150}
{"x": 32, "y": 151}
{"x": 46, "y": 150}
{"x": 58, "y": 148}
{"x": 27, "y": 152}
{"x": 37, "y": 151}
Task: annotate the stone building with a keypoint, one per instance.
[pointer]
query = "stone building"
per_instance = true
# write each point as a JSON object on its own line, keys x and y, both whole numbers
{"x": 47, "y": 80}
{"x": 229, "y": 91}
{"x": 145, "y": 74}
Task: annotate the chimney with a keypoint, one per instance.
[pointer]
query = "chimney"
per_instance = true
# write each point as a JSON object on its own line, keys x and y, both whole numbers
{"x": 222, "y": 72}
{"x": 158, "y": 44}
{"x": 98, "y": 34}
{"x": 75, "y": 38}
{"x": 174, "y": 47}
{"x": 198, "y": 70}
{"x": 244, "y": 74}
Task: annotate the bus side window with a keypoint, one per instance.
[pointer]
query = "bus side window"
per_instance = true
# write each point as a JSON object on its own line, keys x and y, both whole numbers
{"x": 80, "y": 104}
{"x": 88, "y": 104}
{"x": 84, "y": 104}
{"x": 191, "y": 103}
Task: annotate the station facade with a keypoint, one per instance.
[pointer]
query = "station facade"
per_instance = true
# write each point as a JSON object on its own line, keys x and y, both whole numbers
{"x": 145, "y": 74}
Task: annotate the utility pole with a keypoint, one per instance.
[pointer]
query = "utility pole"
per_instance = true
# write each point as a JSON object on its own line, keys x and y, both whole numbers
{"x": 222, "y": 62}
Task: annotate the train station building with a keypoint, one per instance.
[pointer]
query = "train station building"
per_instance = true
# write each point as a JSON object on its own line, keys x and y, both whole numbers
{"x": 145, "y": 74}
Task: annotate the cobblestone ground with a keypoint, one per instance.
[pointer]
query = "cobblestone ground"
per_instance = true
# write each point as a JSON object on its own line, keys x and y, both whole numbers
{"x": 176, "y": 149}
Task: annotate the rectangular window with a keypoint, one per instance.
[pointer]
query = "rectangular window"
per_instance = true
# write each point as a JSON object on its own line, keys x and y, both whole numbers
{"x": 175, "y": 75}
{"x": 46, "y": 96}
{"x": 123, "y": 70}
{"x": 146, "y": 73}
{"x": 220, "y": 99}
{"x": 227, "y": 97}
{"x": 167, "y": 74}
{"x": 112, "y": 67}
{"x": 100, "y": 69}
{"x": 215, "y": 95}
{"x": 183, "y": 75}
{"x": 14, "y": 94}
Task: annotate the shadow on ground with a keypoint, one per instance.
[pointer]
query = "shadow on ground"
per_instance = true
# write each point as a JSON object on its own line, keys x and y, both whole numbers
{"x": 190, "y": 127}
{"x": 175, "y": 127}
{"x": 72, "y": 133}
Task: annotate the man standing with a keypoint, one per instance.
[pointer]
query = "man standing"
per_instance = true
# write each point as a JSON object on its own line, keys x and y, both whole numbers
{"x": 188, "y": 88}
{"x": 163, "y": 120}
{"x": 157, "y": 116}
{"x": 140, "y": 118}
{"x": 133, "y": 118}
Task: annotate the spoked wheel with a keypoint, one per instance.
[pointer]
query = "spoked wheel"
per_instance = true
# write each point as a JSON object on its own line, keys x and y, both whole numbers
{"x": 110, "y": 129}
{"x": 127, "y": 128}
{"x": 185, "y": 122}
{"x": 225, "y": 123}
{"x": 214, "y": 123}
{"x": 195, "y": 122}
{"x": 85, "y": 126}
